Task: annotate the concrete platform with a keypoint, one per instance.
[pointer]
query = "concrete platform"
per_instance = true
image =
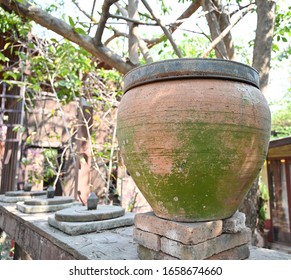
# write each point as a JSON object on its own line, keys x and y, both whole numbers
{"x": 43, "y": 242}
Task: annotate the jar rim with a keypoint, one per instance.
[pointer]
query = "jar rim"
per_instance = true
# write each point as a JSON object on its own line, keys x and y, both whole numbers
{"x": 190, "y": 68}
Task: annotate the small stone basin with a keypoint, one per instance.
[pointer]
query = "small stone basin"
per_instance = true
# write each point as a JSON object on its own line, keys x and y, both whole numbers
{"x": 44, "y": 204}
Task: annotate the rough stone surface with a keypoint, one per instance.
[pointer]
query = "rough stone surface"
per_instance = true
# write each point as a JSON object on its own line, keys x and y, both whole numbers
{"x": 205, "y": 249}
{"x": 77, "y": 228}
{"x": 148, "y": 254}
{"x": 267, "y": 254}
{"x": 234, "y": 224}
{"x": 237, "y": 253}
{"x": 23, "y": 193}
{"x": 33, "y": 209}
{"x": 187, "y": 233}
{"x": 147, "y": 239}
{"x": 16, "y": 196}
{"x": 57, "y": 200}
{"x": 82, "y": 214}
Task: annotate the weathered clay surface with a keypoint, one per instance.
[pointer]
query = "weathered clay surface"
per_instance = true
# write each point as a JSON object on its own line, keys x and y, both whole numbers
{"x": 194, "y": 146}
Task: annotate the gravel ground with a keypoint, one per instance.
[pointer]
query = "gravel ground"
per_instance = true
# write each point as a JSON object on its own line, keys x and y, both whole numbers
{"x": 5, "y": 247}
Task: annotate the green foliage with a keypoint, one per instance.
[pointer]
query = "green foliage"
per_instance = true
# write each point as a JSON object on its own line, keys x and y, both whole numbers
{"x": 281, "y": 118}
{"x": 263, "y": 199}
{"x": 13, "y": 25}
{"x": 282, "y": 32}
{"x": 50, "y": 164}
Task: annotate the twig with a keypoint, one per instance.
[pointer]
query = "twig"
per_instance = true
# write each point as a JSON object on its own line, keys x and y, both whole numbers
{"x": 110, "y": 160}
{"x": 104, "y": 16}
{"x": 164, "y": 28}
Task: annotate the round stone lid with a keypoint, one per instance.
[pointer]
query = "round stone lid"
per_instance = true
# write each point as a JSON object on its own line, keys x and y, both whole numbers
{"x": 186, "y": 68}
{"x": 82, "y": 214}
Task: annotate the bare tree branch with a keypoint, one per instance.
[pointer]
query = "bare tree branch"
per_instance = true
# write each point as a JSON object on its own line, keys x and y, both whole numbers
{"x": 84, "y": 12}
{"x": 133, "y": 32}
{"x": 186, "y": 14}
{"x": 263, "y": 41}
{"x": 219, "y": 38}
{"x": 181, "y": 19}
{"x": 60, "y": 27}
{"x": 92, "y": 11}
{"x": 164, "y": 28}
{"x": 133, "y": 20}
{"x": 116, "y": 34}
{"x": 104, "y": 16}
{"x": 224, "y": 21}
{"x": 141, "y": 43}
{"x": 220, "y": 49}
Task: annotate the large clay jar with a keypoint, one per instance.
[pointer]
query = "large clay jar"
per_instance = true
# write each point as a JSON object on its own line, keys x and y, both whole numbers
{"x": 193, "y": 134}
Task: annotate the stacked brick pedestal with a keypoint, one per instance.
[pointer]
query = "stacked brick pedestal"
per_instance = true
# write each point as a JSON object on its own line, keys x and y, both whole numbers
{"x": 160, "y": 239}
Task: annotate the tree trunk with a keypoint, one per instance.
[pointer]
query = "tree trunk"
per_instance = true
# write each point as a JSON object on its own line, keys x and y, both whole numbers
{"x": 263, "y": 41}
{"x": 133, "y": 32}
{"x": 261, "y": 62}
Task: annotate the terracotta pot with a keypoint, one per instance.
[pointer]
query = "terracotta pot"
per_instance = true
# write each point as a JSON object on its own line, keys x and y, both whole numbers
{"x": 194, "y": 134}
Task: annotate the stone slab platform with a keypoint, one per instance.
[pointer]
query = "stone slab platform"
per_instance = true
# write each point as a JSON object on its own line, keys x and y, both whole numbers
{"x": 16, "y": 196}
{"x": 45, "y": 205}
{"x": 82, "y": 214}
{"x": 163, "y": 239}
{"x": 78, "y": 228}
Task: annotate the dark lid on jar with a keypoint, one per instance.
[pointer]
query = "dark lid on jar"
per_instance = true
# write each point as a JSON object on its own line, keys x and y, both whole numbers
{"x": 191, "y": 68}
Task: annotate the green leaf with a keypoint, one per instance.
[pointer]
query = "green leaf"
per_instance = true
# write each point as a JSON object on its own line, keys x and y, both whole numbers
{"x": 80, "y": 31}
{"x": 28, "y": 140}
{"x": 6, "y": 45}
{"x": 3, "y": 57}
{"x": 284, "y": 39}
{"x": 71, "y": 21}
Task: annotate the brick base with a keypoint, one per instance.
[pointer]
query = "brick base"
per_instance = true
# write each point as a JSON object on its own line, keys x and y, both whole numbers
{"x": 161, "y": 239}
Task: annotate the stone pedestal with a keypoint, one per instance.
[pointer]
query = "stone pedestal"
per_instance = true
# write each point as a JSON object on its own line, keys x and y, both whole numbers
{"x": 161, "y": 239}
{"x": 16, "y": 196}
{"x": 78, "y": 220}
